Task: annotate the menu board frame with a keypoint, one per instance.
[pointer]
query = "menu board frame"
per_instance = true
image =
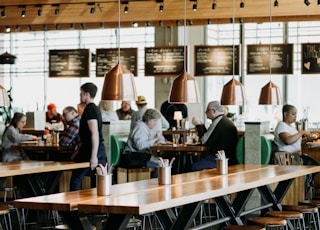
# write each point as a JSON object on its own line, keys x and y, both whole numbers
{"x": 109, "y": 57}
{"x": 163, "y": 63}
{"x": 211, "y": 65}
{"x": 284, "y": 52}
{"x": 62, "y": 61}
{"x": 310, "y": 58}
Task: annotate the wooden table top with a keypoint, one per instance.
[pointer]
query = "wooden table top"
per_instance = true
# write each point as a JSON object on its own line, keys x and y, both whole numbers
{"x": 35, "y": 146}
{"x": 142, "y": 196}
{"x": 30, "y": 167}
{"x": 178, "y": 148}
{"x": 174, "y": 195}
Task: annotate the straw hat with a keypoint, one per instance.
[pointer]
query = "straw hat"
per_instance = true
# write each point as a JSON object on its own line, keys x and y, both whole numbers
{"x": 141, "y": 100}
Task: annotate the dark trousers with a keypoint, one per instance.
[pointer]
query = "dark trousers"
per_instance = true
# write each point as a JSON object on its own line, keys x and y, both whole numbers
{"x": 208, "y": 162}
{"x": 77, "y": 178}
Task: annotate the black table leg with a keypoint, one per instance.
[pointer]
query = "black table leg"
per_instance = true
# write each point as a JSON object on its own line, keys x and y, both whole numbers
{"x": 43, "y": 183}
{"x": 72, "y": 219}
{"x": 186, "y": 216}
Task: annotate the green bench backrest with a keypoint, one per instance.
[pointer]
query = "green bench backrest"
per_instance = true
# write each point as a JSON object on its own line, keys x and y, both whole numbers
{"x": 266, "y": 150}
{"x": 117, "y": 144}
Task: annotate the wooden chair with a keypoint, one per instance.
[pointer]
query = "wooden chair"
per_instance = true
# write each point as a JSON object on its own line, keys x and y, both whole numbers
{"x": 125, "y": 174}
{"x": 288, "y": 158}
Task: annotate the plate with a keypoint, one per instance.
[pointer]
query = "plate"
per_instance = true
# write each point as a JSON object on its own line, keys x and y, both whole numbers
{"x": 313, "y": 144}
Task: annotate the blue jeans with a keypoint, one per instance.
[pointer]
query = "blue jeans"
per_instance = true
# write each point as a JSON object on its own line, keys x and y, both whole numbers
{"x": 77, "y": 178}
{"x": 152, "y": 164}
{"x": 206, "y": 163}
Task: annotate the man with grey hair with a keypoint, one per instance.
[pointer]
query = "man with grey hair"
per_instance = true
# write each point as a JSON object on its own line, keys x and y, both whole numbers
{"x": 221, "y": 135}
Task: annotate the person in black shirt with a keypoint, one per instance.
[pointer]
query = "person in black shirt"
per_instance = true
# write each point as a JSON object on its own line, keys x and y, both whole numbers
{"x": 92, "y": 148}
{"x": 168, "y": 110}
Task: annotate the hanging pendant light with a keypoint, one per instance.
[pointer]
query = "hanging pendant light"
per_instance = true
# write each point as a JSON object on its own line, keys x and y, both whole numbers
{"x": 4, "y": 99}
{"x": 270, "y": 93}
{"x": 119, "y": 84}
{"x": 7, "y": 58}
{"x": 233, "y": 92}
{"x": 184, "y": 88}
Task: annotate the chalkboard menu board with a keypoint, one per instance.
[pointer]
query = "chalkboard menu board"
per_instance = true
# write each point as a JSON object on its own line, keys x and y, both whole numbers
{"x": 164, "y": 61}
{"x": 106, "y": 59}
{"x": 69, "y": 63}
{"x": 310, "y": 57}
{"x": 216, "y": 60}
{"x": 258, "y": 59}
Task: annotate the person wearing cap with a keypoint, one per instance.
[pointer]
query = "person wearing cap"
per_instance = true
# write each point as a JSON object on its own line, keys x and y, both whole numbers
{"x": 52, "y": 116}
{"x": 125, "y": 112}
{"x": 137, "y": 116}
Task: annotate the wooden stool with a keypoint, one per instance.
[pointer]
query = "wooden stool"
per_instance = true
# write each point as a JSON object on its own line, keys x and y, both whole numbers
{"x": 134, "y": 223}
{"x": 294, "y": 218}
{"x": 243, "y": 227}
{"x": 5, "y": 213}
{"x": 310, "y": 213}
{"x": 268, "y": 222}
{"x": 125, "y": 175}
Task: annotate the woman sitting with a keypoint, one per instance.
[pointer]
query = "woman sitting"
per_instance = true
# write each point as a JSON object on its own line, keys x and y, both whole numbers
{"x": 286, "y": 137}
{"x": 137, "y": 152}
{"x": 12, "y": 135}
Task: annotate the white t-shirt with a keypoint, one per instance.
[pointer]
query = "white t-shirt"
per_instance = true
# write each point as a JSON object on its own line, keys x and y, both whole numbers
{"x": 283, "y": 127}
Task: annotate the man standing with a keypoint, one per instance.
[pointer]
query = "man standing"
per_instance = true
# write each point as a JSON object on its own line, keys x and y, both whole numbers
{"x": 221, "y": 135}
{"x": 92, "y": 148}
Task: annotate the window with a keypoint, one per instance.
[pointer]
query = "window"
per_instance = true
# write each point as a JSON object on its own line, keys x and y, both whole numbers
{"x": 33, "y": 89}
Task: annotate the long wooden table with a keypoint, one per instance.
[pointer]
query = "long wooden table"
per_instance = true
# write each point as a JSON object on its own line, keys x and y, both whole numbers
{"x": 181, "y": 152}
{"x": 42, "y": 176}
{"x": 187, "y": 191}
{"x": 49, "y": 151}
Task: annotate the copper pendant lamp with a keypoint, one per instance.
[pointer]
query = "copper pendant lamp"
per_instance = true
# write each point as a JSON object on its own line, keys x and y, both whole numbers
{"x": 184, "y": 88}
{"x": 270, "y": 93}
{"x": 119, "y": 84}
{"x": 233, "y": 92}
{"x": 4, "y": 99}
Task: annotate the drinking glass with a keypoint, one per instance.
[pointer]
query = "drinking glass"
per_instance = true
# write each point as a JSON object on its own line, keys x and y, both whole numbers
{"x": 175, "y": 139}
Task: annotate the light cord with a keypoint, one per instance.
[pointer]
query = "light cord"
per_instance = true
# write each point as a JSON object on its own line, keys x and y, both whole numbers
{"x": 184, "y": 33}
{"x": 118, "y": 34}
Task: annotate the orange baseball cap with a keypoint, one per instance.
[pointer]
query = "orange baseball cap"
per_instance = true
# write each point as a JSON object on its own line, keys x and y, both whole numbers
{"x": 52, "y": 106}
